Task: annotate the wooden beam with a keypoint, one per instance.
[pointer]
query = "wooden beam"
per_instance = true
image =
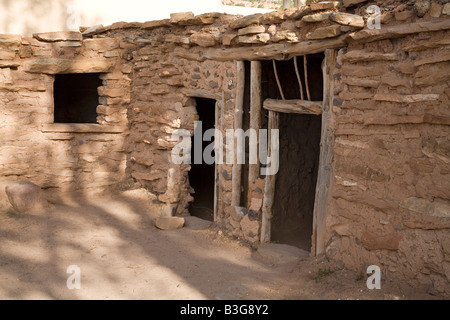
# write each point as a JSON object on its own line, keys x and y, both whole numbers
{"x": 238, "y": 115}
{"x": 325, "y": 174}
{"x": 282, "y": 51}
{"x": 368, "y": 35}
{"x": 269, "y": 188}
{"x": 294, "y": 106}
{"x": 255, "y": 115}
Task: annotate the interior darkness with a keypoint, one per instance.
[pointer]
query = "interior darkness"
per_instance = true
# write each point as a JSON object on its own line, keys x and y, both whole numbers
{"x": 76, "y": 97}
{"x": 300, "y": 135}
{"x": 202, "y": 176}
{"x": 295, "y": 185}
{"x": 288, "y": 78}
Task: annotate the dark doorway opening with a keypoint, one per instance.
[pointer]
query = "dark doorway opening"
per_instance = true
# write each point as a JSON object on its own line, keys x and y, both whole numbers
{"x": 76, "y": 97}
{"x": 202, "y": 175}
{"x": 295, "y": 186}
{"x": 300, "y": 135}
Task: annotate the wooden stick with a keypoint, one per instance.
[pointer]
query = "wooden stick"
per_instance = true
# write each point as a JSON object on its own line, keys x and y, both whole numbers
{"x": 299, "y": 78}
{"x": 255, "y": 116}
{"x": 278, "y": 79}
{"x": 269, "y": 188}
{"x": 238, "y": 115}
{"x": 305, "y": 66}
{"x": 294, "y": 106}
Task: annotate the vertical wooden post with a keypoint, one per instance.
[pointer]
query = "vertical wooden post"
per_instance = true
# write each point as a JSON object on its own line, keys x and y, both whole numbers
{"x": 296, "y": 3}
{"x": 238, "y": 114}
{"x": 269, "y": 189}
{"x": 286, "y": 4}
{"x": 255, "y": 116}
{"x": 218, "y": 125}
{"x": 325, "y": 174}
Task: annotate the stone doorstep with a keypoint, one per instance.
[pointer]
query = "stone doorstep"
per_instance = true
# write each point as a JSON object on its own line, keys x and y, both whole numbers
{"x": 280, "y": 254}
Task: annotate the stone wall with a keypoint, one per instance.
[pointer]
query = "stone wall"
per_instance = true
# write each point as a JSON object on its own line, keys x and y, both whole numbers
{"x": 61, "y": 157}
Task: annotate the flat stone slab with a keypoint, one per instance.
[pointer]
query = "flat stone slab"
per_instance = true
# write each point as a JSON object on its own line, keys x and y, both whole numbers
{"x": 281, "y": 253}
{"x": 171, "y": 223}
{"x": 25, "y": 196}
{"x": 195, "y": 223}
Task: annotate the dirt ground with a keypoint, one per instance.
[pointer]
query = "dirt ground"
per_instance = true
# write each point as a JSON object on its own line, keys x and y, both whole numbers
{"x": 122, "y": 255}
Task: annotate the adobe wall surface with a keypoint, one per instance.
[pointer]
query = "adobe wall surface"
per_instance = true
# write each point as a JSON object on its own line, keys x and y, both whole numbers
{"x": 59, "y": 157}
{"x": 389, "y": 194}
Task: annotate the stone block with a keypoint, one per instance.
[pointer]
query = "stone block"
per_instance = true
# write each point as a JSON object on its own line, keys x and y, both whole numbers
{"x": 246, "y": 21}
{"x": 279, "y": 254}
{"x": 372, "y": 241}
{"x": 25, "y": 196}
{"x": 170, "y": 223}
{"x": 58, "y": 36}
{"x": 347, "y": 19}
{"x": 176, "y": 17}
{"x": 324, "y": 32}
{"x": 324, "y": 5}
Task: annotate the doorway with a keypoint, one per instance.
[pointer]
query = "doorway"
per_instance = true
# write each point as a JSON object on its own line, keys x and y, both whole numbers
{"x": 295, "y": 186}
{"x": 294, "y": 190}
{"x": 202, "y": 175}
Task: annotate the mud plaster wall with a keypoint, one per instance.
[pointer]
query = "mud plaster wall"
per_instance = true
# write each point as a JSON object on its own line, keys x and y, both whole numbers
{"x": 59, "y": 157}
{"x": 390, "y": 199}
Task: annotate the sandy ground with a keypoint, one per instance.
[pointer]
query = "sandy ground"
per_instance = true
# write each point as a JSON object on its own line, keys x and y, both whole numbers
{"x": 122, "y": 255}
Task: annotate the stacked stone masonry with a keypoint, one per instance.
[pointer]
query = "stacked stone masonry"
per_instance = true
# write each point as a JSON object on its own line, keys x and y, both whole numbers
{"x": 390, "y": 191}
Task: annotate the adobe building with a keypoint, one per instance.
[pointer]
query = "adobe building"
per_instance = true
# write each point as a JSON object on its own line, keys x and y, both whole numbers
{"x": 363, "y": 114}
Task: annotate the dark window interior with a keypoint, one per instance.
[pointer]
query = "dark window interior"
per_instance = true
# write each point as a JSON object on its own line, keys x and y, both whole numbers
{"x": 76, "y": 98}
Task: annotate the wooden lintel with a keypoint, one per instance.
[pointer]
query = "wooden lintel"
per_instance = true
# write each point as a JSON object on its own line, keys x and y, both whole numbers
{"x": 294, "y": 106}
{"x": 201, "y": 93}
{"x": 283, "y": 51}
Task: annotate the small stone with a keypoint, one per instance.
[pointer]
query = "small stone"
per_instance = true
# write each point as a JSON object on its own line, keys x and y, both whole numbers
{"x": 446, "y": 9}
{"x": 403, "y": 15}
{"x": 246, "y": 21}
{"x": 324, "y": 32}
{"x": 251, "y": 30}
{"x": 26, "y": 196}
{"x": 176, "y": 17}
{"x": 347, "y": 19}
{"x": 203, "y": 39}
{"x": 170, "y": 223}
{"x": 317, "y": 17}
{"x": 213, "y": 84}
{"x": 422, "y": 7}
{"x": 435, "y": 10}
{"x": 324, "y": 5}
{"x": 58, "y": 36}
